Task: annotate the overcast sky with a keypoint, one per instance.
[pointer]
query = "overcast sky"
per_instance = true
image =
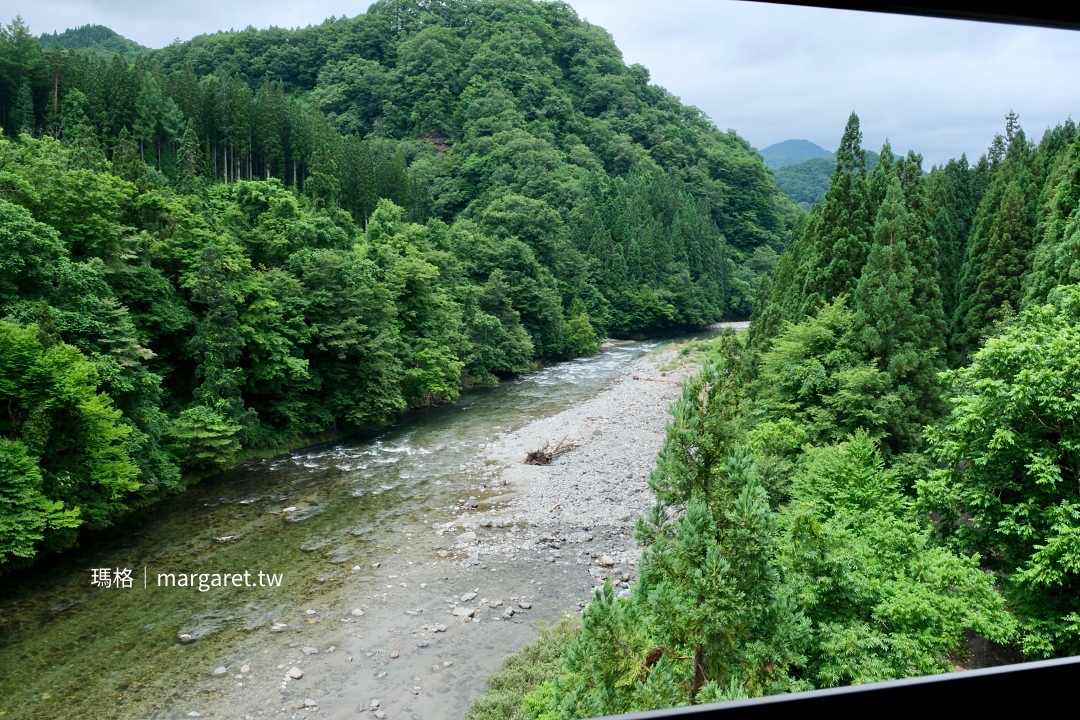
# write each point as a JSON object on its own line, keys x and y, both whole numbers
{"x": 770, "y": 72}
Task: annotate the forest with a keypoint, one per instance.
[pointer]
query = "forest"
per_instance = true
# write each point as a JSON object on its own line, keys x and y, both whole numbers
{"x": 885, "y": 465}
{"x": 258, "y": 236}
{"x": 216, "y": 248}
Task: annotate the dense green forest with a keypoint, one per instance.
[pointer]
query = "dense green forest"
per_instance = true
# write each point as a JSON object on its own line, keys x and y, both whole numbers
{"x": 886, "y": 460}
{"x": 92, "y": 38}
{"x": 252, "y": 236}
{"x": 260, "y": 235}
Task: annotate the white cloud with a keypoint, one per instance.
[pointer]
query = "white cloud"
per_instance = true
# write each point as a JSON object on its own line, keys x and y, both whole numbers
{"x": 771, "y": 72}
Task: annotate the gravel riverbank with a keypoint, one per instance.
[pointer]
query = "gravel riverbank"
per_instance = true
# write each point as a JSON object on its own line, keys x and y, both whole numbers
{"x": 416, "y": 634}
{"x": 581, "y": 509}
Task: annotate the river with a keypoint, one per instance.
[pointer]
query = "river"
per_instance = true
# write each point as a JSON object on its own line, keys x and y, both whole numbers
{"x": 346, "y": 526}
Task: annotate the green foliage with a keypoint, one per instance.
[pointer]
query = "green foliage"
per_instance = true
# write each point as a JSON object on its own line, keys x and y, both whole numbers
{"x": 843, "y": 584}
{"x": 96, "y": 39}
{"x": 829, "y": 248}
{"x": 204, "y": 437}
{"x": 522, "y": 673}
{"x": 815, "y": 376}
{"x": 580, "y": 335}
{"x": 838, "y": 236}
{"x": 25, "y": 513}
{"x": 806, "y": 182}
{"x": 999, "y": 249}
{"x": 69, "y": 450}
{"x": 848, "y": 577}
{"x": 1056, "y": 256}
{"x": 951, "y": 208}
{"x": 882, "y": 600}
{"x": 895, "y": 327}
{"x": 1009, "y": 487}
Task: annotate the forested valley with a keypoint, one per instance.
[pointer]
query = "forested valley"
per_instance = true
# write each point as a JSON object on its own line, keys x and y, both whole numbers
{"x": 218, "y": 247}
{"x": 262, "y": 235}
{"x": 883, "y": 465}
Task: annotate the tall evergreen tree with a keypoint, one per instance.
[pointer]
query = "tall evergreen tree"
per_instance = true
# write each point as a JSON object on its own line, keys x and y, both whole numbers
{"x": 1057, "y": 256}
{"x": 839, "y": 239}
{"x": 924, "y": 251}
{"x": 189, "y": 161}
{"x": 879, "y": 180}
{"x": 999, "y": 250}
{"x": 149, "y": 108}
{"x": 892, "y": 329}
{"x": 322, "y": 184}
{"x": 22, "y": 119}
{"x": 951, "y": 208}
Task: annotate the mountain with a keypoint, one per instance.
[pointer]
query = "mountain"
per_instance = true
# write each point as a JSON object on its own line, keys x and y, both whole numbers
{"x": 790, "y": 152}
{"x": 263, "y": 234}
{"x": 94, "y": 39}
{"x": 806, "y": 182}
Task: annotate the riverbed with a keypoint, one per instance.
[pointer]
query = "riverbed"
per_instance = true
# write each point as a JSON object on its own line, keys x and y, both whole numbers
{"x": 411, "y": 561}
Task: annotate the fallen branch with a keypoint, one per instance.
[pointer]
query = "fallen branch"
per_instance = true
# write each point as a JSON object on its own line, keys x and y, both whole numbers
{"x": 544, "y": 455}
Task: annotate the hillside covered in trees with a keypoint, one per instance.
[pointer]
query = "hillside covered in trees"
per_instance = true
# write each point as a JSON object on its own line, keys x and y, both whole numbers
{"x": 92, "y": 38}
{"x": 262, "y": 234}
{"x": 792, "y": 152}
{"x": 885, "y": 462}
{"x": 807, "y": 181}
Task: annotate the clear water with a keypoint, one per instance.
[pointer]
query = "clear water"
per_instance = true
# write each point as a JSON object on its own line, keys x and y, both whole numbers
{"x": 69, "y": 649}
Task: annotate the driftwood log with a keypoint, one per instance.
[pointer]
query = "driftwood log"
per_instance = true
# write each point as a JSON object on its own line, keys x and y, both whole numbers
{"x": 546, "y": 454}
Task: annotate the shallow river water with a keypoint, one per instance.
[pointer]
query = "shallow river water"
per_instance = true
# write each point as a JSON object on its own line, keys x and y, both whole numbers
{"x": 70, "y": 649}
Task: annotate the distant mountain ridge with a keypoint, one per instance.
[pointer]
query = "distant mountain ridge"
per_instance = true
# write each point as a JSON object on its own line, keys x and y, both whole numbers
{"x": 93, "y": 39}
{"x": 790, "y": 152}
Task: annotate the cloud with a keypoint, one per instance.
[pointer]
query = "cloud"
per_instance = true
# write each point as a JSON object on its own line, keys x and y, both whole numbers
{"x": 771, "y": 72}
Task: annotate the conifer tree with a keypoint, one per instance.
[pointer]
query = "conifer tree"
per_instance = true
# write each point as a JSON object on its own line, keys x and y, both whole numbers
{"x": 189, "y": 161}
{"x": 892, "y": 329}
{"x": 367, "y": 195}
{"x": 322, "y": 184}
{"x": 78, "y": 133}
{"x": 23, "y": 117}
{"x": 999, "y": 250}
{"x": 877, "y": 184}
{"x": 951, "y": 205}
{"x": 1056, "y": 257}
{"x": 126, "y": 158}
{"x": 922, "y": 247}
{"x": 708, "y": 619}
{"x": 217, "y": 343}
{"x": 149, "y": 107}
{"x": 839, "y": 240}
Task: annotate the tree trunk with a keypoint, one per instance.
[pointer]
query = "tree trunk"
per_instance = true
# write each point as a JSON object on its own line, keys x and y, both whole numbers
{"x": 699, "y": 673}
